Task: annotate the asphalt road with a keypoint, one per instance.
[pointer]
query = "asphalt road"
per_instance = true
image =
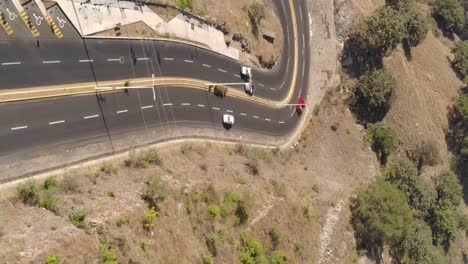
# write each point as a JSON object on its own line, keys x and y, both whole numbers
{"x": 37, "y": 124}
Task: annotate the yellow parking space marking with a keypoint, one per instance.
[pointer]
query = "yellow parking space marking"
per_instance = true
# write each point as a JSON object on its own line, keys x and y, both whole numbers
{"x": 30, "y": 25}
{"x": 54, "y": 27}
{"x": 5, "y": 25}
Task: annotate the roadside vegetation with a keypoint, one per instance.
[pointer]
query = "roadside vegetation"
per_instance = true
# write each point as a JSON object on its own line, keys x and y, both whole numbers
{"x": 413, "y": 218}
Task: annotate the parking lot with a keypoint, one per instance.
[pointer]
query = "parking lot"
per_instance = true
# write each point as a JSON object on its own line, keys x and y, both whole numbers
{"x": 32, "y": 20}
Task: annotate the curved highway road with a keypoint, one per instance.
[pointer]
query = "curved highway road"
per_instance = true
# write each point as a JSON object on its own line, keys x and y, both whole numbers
{"x": 38, "y": 124}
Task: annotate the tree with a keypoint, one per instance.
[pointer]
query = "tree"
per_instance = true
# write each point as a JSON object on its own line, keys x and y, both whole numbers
{"x": 399, "y": 5}
{"x": 449, "y": 14}
{"x": 421, "y": 194}
{"x": 384, "y": 141}
{"x": 253, "y": 252}
{"x": 374, "y": 95}
{"x": 378, "y": 34}
{"x": 460, "y": 62}
{"x": 417, "y": 247}
{"x": 256, "y": 12}
{"x": 416, "y": 26}
{"x": 448, "y": 188}
{"x": 380, "y": 215}
{"x": 445, "y": 222}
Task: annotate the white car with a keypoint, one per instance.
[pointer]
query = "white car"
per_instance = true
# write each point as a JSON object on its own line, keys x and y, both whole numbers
{"x": 249, "y": 88}
{"x": 246, "y": 72}
{"x": 228, "y": 119}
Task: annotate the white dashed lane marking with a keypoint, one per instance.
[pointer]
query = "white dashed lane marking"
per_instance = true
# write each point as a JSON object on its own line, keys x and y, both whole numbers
{"x": 281, "y": 122}
{"x": 244, "y": 114}
{"x": 122, "y": 111}
{"x": 57, "y": 122}
{"x": 216, "y": 108}
{"x": 11, "y": 63}
{"x": 229, "y": 111}
{"x": 237, "y": 75}
{"x": 206, "y": 65}
{"x": 267, "y": 119}
{"x": 85, "y": 60}
{"x": 169, "y": 104}
{"x": 143, "y": 59}
{"x": 188, "y": 61}
{"x": 185, "y": 104}
{"x": 146, "y": 107}
{"x": 200, "y": 105}
{"x": 255, "y": 117}
{"x": 169, "y": 59}
{"x": 91, "y": 116}
{"x": 51, "y": 62}
{"x": 221, "y": 70}
{"x": 18, "y": 128}
{"x": 114, "y": 59}
{"x": 261, "y": 84}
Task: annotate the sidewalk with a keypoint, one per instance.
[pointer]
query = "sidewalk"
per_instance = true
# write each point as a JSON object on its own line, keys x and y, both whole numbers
{"x": 91, "y": 17}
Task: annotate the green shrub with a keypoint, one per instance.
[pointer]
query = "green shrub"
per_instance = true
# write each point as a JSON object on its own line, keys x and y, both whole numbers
{"x": 78, "y": 219}
{"x": 380, "y": 215}
{"x": 252, "y": 250}
{"x": 155, "y": 191}
{"x": 374, "y": 95}
{"x": 420, "y": 193}
{"x": 275, "y": 237}
{"x": 106, "y": 253}
{"x": 120, "y": 221}
{"x": 449, "y": 14}
{"x": 148, "y": 220}
{"x": 49, "y": 202}
{"x": 108, "y": 168}
{"x": 214, "y": 211}
{"x": 384, "y": 141}
{"x": 252, "y": 153}
{"x": 445, "y": 222}
{"x": 69, "y": 183}
{"x": 460, "y": 62}
{"x": 28, "y": 193}
{"x": 185, "y": 4}
{"x": 207, "y": 259}
{"x": 426, "y": 154}
{"x": 278, "y": 257}
{"x": 143, "y": 159}
{"x": 448, "y": 188}
{"x": 53, "y": 259}
{"x": 256, "y": 12}
{"x": 417, "y": 246}
{"x": 110, "y": 193}
{"x": 50, "y": 183}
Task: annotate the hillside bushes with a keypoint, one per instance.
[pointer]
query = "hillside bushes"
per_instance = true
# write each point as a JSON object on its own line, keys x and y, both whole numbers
{"x": 449, "y": 15}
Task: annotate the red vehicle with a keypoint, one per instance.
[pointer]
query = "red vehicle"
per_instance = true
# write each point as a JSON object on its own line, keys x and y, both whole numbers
{"x": 300, "y": 105}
